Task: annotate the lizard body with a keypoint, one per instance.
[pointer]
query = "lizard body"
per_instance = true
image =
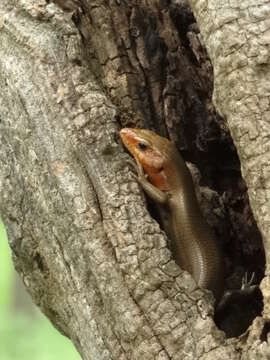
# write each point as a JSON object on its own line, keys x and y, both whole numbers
{"x": 169, "y": 184}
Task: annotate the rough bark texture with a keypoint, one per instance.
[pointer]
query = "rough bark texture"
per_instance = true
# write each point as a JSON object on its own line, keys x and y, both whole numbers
{"x": 91, "y": 256}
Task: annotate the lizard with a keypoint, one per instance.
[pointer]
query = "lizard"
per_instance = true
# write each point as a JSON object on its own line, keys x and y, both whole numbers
{"x": 166, "y": 179}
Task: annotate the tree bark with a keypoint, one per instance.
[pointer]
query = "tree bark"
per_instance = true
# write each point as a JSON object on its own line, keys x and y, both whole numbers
{"x": 90, "y": 254}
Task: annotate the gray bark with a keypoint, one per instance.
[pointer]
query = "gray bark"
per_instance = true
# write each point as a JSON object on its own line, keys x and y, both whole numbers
{"x": 89, "y": 253}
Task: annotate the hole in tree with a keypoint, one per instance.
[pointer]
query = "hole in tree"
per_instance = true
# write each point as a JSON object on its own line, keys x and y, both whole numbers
{"x": 239, "y": 313}
{"x": 215, "y": 155}
{"x": 237, "y": 231}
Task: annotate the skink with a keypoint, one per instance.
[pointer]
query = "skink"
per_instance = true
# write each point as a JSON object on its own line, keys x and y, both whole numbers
{"x": 165, "y": 178}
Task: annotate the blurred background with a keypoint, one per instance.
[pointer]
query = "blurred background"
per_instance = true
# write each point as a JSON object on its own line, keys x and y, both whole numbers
{"x": 25, "y": 334}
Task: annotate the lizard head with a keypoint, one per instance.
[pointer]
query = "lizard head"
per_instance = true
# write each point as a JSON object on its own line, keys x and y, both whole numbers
{"x": 152, "y": 151}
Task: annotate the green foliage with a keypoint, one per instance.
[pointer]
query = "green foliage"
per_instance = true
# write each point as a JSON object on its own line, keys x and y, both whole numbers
{"x": 29, "y": 338}
{"x": 23, "y": 335}
{"x": 5, "y": 271}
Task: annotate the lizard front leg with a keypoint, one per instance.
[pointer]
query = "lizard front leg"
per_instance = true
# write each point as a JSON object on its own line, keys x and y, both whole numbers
{"x": 153, "y": 192}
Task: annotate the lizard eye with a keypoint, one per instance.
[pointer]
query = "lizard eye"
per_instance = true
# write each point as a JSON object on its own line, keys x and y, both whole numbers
{"x": 142, "y": 146}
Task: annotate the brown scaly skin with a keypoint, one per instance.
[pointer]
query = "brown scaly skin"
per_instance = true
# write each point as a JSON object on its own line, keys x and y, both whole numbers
{"x": 194, "y": 245}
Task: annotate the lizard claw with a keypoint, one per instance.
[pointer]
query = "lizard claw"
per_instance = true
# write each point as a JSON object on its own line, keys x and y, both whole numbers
{"x": 247, "y": 283}
{"x": 134, "y": 168}
{"x": 137, "y": 167}
{"x": 231, "y": 295}
{"x": 135, "y": 176}
{"x": 133, "y": 164}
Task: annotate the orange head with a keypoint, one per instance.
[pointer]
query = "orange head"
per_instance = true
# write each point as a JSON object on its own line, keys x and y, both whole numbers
{"x": 153, "y": 152}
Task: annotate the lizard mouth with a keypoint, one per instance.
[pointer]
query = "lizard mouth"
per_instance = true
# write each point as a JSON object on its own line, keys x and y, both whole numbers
{"x": 128, "y": 138}
{"x": 131, "y": 140}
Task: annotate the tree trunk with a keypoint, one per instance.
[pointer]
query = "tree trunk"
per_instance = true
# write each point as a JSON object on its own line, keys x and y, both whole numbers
{"x": 89, "y": 252}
